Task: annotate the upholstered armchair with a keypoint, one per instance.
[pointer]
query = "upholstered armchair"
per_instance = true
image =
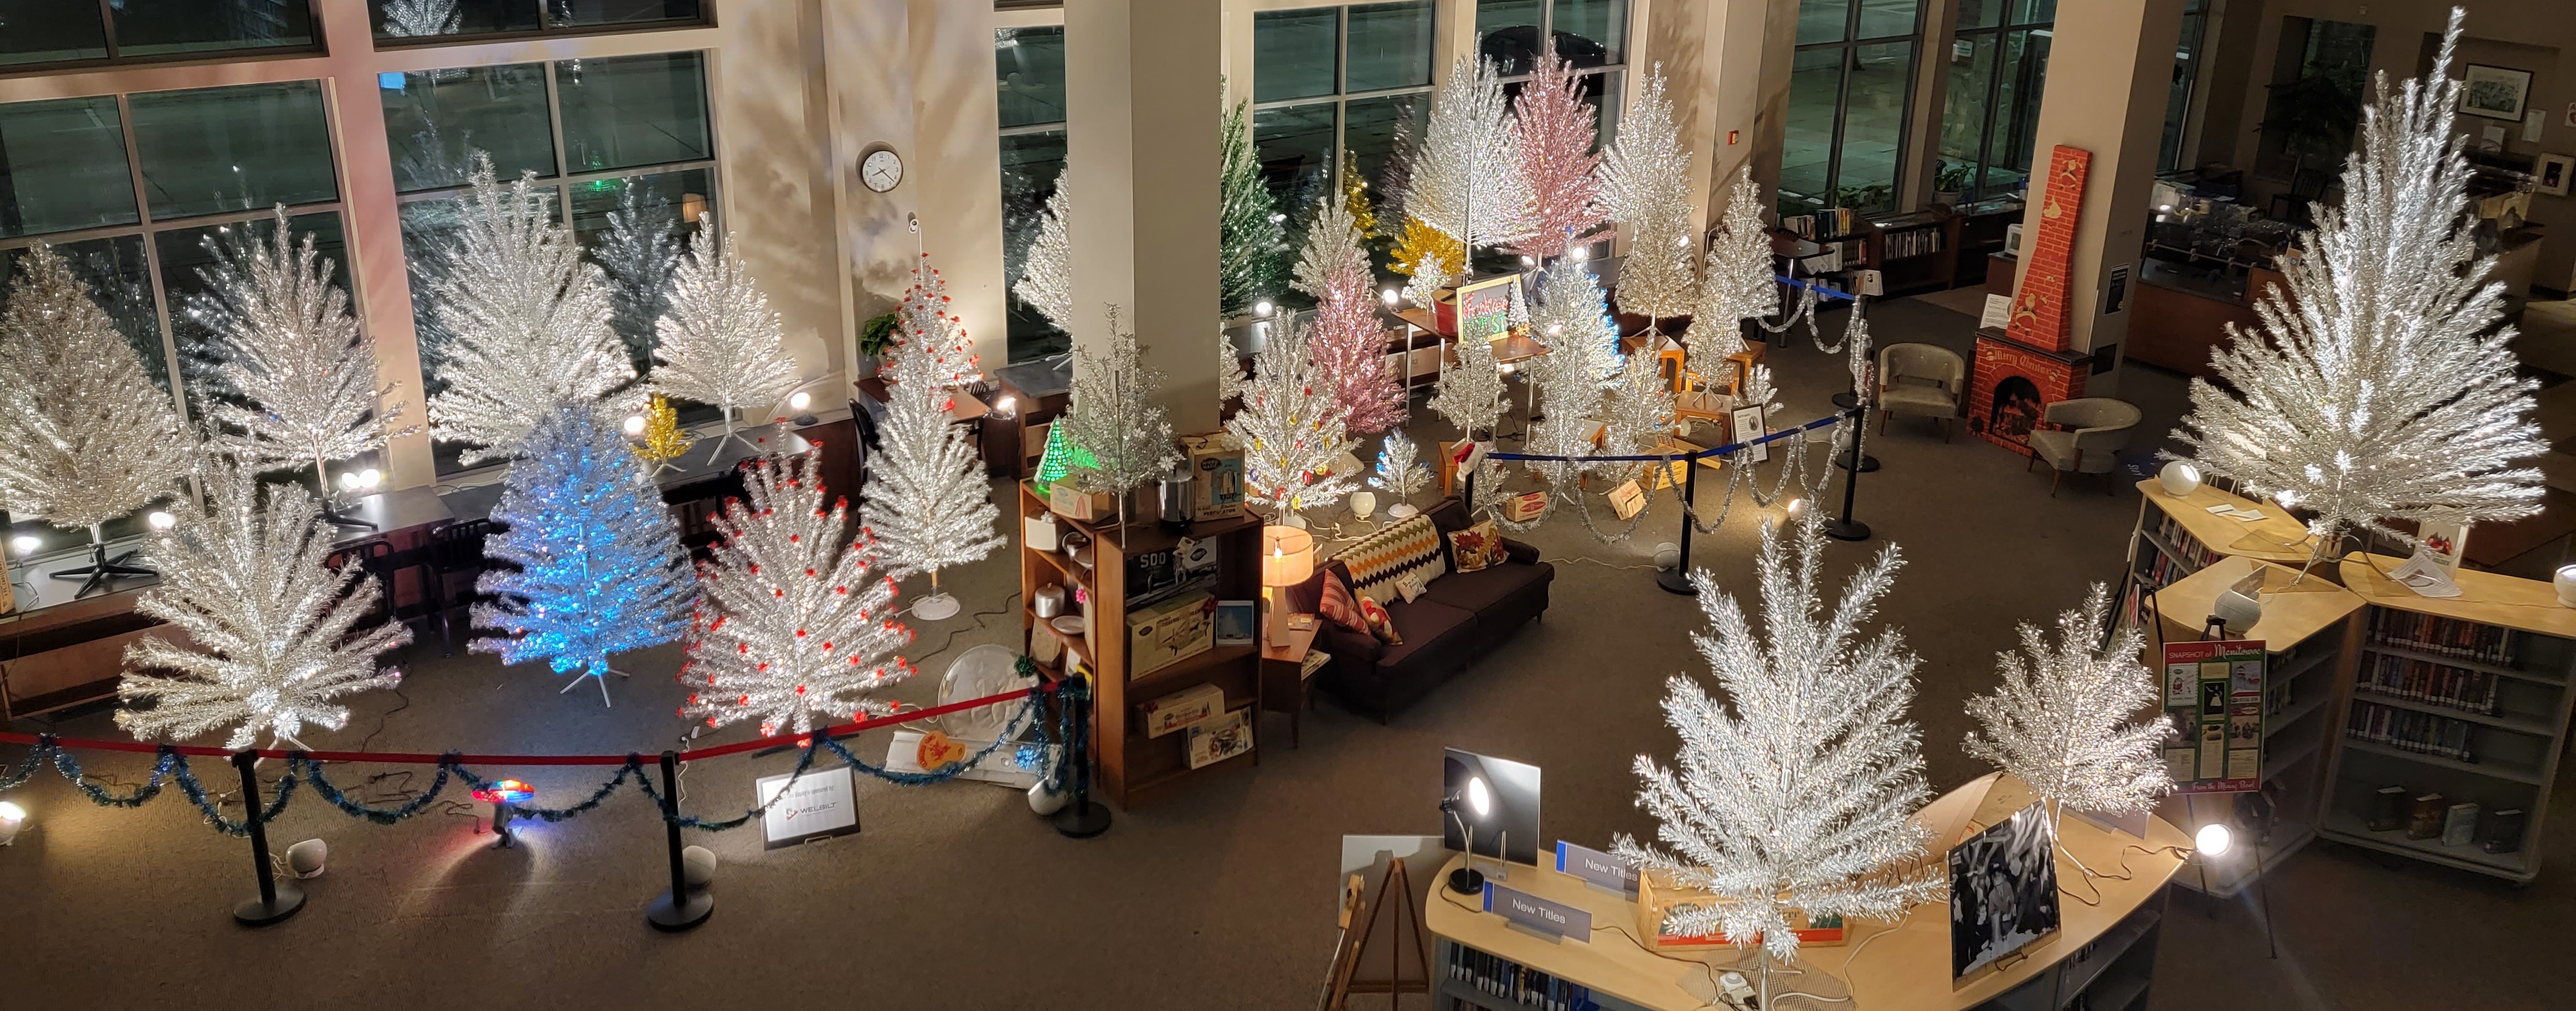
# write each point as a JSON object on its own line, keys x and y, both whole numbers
{"x": 2081, "y": 436}
{"x": 1920, "y": 379}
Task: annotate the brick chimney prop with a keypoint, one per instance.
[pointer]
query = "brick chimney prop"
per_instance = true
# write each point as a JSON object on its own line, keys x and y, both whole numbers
{"x": 2030, "y": 364}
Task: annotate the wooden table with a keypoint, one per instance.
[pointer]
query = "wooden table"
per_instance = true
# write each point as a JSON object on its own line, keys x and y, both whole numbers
{"x": 1284, "y": 684}
{"x": 1908, "y": 969}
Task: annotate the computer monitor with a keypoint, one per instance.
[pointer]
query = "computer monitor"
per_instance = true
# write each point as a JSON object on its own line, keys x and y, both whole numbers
{"x": 1503, "y": 810}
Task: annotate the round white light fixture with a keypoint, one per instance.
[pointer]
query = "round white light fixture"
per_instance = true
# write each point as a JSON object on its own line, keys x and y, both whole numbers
{"x": 634, "y": 425}
{"x": 2564, "y": 580}
{"x": 1527, "y": 262}
{"x": 2214, "y": 840}
{"x": 1388, "y": 296}
{"x": 2179, "y": 478}
{"x": 1262, "y": 308}
{"x": 161, "y": 520}
{"x": 308, "y": 859}
{"x": 370, "y": 478}
{"x": 799, "y": 400}
{"x": 1362, "y": 504}
{"x": 1581, "y": 254}
{"x": 25, "y": 544}
{"x": 1479, "y": 797}
{"x": 1796, "y": 504}
{"x": 11, "y": 817}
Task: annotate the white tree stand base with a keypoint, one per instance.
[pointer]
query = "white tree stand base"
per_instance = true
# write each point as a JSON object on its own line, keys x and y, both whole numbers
{"x": 1292, "y": 520}
{"x": 936, "y": 607}
{"x": 1402, "y": 511}
{"x": 603, "y": 684}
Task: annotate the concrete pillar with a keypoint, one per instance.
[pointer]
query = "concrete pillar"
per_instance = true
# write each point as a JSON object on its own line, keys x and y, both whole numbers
{"x": 1712, "y": 56}
{"x": 778, "y": 166}
{"x": 379, "y": 274}
{"x": 2110, "y": 68}
{"x": 1142, "y": 113}
{"x": 1922, "y": 151}
{"x": 956, "y": 142}
{"x": 1769, "y": 74}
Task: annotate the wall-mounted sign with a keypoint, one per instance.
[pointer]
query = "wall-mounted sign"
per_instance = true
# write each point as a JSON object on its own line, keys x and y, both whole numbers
{"x": 2115, "y": 295}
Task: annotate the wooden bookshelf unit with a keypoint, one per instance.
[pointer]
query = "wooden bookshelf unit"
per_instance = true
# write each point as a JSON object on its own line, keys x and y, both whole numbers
{"x": 2176, "y": 537}
{"x": 1131, "y": 768}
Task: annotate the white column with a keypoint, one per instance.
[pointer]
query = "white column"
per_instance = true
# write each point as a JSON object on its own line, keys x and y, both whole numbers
{"x": 377, "y": 271}
{"x": 956, "y": 159}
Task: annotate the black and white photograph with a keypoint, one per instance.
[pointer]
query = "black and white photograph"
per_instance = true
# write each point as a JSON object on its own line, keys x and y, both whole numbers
{"x": 2494, "y": 92}
{"x": 2003, "y": 891}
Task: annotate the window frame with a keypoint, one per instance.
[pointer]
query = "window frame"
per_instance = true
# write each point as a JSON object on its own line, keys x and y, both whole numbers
{"x": 107, "y": 33}
{"x": 1850, "y": 46}
{"x": 1342, "y": 96}
{"x": 1984, "y": 161}
{"x": 545, "y": 29}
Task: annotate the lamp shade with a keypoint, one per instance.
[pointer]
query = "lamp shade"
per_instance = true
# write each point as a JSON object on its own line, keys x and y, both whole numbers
{"x": 2179, "y": 478}
{"x": 1287, "y": 556}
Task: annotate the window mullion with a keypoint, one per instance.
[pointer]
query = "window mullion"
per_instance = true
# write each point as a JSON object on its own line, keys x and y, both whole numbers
{"x": 107, "y": 26}
{"x": 554, "y": 117}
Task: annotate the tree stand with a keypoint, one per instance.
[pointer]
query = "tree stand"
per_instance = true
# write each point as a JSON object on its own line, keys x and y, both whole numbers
{"x": 681, "y": 908}
{"x": 937, "y": 606}
{"x": 101, "y": 568}
{"x": 597, "y": 672}
{"x": 715, "y": 447}
{"x": 277, "y": 899}
{"x": 331, "y": 513}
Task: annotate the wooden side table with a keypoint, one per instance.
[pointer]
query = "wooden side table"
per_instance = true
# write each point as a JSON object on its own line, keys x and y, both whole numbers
{"x": 1284, "y": 684}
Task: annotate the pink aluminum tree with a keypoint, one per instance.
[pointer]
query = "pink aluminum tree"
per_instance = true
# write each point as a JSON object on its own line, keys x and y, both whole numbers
{"x": 1557, "y": 159}
{"x": 1348, "y": 348}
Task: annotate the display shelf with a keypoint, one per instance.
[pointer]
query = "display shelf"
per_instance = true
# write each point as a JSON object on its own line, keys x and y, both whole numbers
{"x": 2349, "y": 828}
{"x": 2111, "y": 950}
{"x": 2520, "y": 725}
{"x": 2516, "y": 673}
{"x": 2278, "y": 762}
{"x": 2275, "y": 723}
{"x": 2491, "y": 770}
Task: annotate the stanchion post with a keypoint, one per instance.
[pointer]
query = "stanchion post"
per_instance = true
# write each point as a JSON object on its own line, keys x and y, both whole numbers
{"x": 1080, "y": 819}
{"x": 1677, "y": 578}
{"x": 1847, "y": 528}
{"x": 277, "y": 899}
{"x": 681, "y": 908}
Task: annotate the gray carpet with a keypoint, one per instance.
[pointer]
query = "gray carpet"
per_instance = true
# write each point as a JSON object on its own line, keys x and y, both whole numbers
{"x": 956, "y": 896}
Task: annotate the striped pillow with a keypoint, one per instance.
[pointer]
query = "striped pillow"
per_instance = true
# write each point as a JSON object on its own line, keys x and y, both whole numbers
{"x": 1378, "y": 560}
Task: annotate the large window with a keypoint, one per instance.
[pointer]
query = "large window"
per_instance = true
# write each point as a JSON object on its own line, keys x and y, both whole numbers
{"x": 1028, "y": 78}
{"x": 440, "y": 19}
{"x": 1331, "y": 86}
{"x": 622, "y": 144}
{"x": 2318, "y": 80}
{"x": 2186, "y": 82}
{"x": 1590, "y": 34}
{"x": 1850, "y": 89}
{"x": 80, "y": 31}
{"x": 130, "y": 189}
{"x": 1990, "y": 116}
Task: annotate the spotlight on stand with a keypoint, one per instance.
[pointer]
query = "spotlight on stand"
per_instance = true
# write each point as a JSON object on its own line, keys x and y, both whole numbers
{"x": 1263, "y": 308}
{"x": 504, "y": 795}
{"x": 25, "y": 544}
{"x": 1489, "y": 799}
{"x": 798, "y": 402}
{"x": 308, "y": 859}
{"x": 12, "y": 818}
{"x": 1467, "y": 880}
{"x": 2214, "y": 839}
{"x": 1388, "y": 296}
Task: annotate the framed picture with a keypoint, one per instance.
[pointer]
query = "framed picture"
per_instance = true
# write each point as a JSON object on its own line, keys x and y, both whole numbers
{"x": 2003, "y": 892}
{"x": 1745, "y": 425}
{"x": 2495, "y": 92}
{"x": 2553, "y": 170}
{"x": 1235, "y": 622}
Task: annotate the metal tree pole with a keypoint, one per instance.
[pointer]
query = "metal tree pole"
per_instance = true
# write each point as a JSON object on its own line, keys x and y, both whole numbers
{"x": 1846, "y": 528}
{"x": 680, "y": 908}
{"x": 1081, "y": 819}
{"x": 277, "y": 899}
{"x": 1677, "y": 578}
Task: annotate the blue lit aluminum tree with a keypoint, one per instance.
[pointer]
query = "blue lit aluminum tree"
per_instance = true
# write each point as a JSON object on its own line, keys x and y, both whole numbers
{"x": 600, "y": 565}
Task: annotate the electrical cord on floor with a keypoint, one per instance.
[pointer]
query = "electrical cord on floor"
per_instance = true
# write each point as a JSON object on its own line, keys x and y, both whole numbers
{"x": 384, "y": 717}
{"x": 1603, "y": 564}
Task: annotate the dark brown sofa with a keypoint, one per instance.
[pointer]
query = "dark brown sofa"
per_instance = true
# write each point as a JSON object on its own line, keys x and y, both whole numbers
{"x": 1458, "y": 619}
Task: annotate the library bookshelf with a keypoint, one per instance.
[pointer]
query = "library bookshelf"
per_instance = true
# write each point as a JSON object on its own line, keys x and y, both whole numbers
{"x": 1132, "y": 768}
{"x": 2176, "y": 537}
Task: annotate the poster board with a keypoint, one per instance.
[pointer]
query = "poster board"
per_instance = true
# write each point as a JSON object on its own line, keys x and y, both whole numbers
{"x": 2003, "y": 893}
{"x": 1485, "y": 307}
{"x": 820, "y": 803}
{"x": 2213, "y": 691}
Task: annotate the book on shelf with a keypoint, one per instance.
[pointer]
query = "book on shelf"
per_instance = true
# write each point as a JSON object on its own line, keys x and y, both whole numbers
{"x": 2387, "y": 809}
{"x": 2428, "y": 682}
{"x": 1828, "y": 223}
{"x": 2500, "y": 831}
{"x": 1914, "y": 242}
{"x": 2411, "y": 730}
{"x": 2451, "y": 637}
{"x": 1512, "y": 983}
{"x": 2424, "y": 818}
{"x": 2459, "y": 823}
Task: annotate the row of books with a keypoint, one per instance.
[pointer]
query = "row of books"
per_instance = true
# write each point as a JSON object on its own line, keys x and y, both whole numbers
{"x": 1832, "y": 221}
{"x": 2183, "y": 543}
{"x": 1514, "y": 983}
{"x": 2410, "y": 730}
{"x": 2432, "y": 816}
{"x": 1914, "y": 242}
{"x": 2467, "y": 640}
{"x": 2428, "y": 682}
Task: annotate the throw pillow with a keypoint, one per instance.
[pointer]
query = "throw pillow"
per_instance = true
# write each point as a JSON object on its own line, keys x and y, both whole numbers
{"x": 1478, "y": 547}
{"x": 1380, "y": 624}
{"x": 1337, "y": 607}
{"x": 1411, "y": 584}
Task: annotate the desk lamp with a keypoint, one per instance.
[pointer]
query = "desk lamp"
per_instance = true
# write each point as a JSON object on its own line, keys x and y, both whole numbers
{"x": 1468, "y": 880}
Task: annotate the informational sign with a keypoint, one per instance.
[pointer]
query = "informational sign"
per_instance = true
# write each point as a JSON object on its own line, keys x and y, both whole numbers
{"x": 1597, "y": 868}
{"x": 1546, "y": 917}
{"x": 2116, "y": 298}
{"x": 1485, "y": 307}
{"x": 2214, "y": 693}
{"x": 822, "y": 802}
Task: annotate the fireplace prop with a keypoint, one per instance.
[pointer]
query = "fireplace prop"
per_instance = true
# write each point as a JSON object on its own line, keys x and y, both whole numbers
{"x": 2011, "y": 385}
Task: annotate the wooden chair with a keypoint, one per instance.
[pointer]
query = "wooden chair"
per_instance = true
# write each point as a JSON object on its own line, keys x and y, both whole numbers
{"x": 455, "y": 550}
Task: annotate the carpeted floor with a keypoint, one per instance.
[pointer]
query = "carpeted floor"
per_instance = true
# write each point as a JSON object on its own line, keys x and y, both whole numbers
{"x": 956, "y": 896}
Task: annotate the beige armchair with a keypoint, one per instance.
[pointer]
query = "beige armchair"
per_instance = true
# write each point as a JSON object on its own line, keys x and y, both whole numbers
{"x": 2088, "y": 432}
{"x": 1920, "y": 379}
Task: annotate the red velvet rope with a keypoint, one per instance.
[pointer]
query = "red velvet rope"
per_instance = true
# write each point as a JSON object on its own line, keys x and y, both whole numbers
{"x": 425, "y": 758}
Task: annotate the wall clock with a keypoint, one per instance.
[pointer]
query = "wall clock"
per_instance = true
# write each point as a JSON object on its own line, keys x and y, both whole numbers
{"x": 881, "y": 170}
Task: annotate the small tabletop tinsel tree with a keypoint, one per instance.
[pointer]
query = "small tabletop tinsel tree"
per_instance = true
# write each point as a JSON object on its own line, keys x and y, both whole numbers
{"x": 1796, "y": 792}
{"x": 267, "y": 646}
{"x": 662, "y": 440}
{"x": 293, "y": 374}
{"x": 1400, "y": 472}
{"x": 2061, "y": 720}
{"x": 721, "y": 344}
{"x": 926, "y": 501}
{"x": 85, "y": 435}
{"x": 1291, "y": 430}
{"x": 526, "y": 319}
{"x": 2371, "y": 394}
{"x": 1114, "y": 419}
{"x": 1472, "y": 394}
{"x": 599, "y": 565}
{"x": 796, "y": 629}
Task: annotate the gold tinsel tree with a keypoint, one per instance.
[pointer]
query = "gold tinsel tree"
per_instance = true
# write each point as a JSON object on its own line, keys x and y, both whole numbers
{"x": 1355, "y": 197}
{"x": 663, "y": 440}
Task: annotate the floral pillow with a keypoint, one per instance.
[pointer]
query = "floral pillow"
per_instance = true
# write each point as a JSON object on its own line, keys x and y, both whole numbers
{"x": 1476, "y": 548}
{"x": 1380, "y": 624}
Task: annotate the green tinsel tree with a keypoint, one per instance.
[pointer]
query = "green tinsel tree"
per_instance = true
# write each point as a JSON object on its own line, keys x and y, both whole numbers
{"x": 1250, "y": 235}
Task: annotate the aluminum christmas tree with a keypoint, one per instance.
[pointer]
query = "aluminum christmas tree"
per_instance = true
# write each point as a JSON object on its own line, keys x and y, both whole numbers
{"x": 926, "y": 500}
{"x": 933, "y": 347}
{"x": 1250, "y": 240}
{"x": 527, "y": 319}
{"x": 1114, "y": 418}
{"x": 1555, "y": 143}
{"x": 1400, "y": 472}
{"x": 1637, "y": 412}
{"x": 1796, "y": 793}
{"x": 797, "y": 626}
{"x": 721, "y": 343}
{"x": 1229, "y": 369}
{"x": 268, "y": 646}
{"x": 1046, "y": 270}
{"x": 1471, "y": 394}
{"x": 1349, "y": 347}
{"x": 659, "y": 439}
{"x": 85, "y": 435}
{"x": 600, "y": 569}
{"x": 1429, "y": 257}
{"x": 641, "y": 259}
{"x": 2370, "y": 394}
{"x": 1466, "y": 178}
{"x": 2061, "y": 719}
{"x": 294, "y": 376}
{"x": 1645, "y": 186}
{"x": 1355, "y": 196}
{"x": 1739, "y": 282}
{"x": 1574, "y": 322}
{"x": 419, "y": 18}
{"x": 1291, "y": 429}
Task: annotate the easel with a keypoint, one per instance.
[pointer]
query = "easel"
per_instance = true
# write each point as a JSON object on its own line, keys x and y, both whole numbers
{"x": 1395, "y": 890}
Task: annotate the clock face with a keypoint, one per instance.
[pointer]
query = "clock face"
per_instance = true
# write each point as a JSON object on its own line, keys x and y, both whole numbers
{"x": 881, "y": 170}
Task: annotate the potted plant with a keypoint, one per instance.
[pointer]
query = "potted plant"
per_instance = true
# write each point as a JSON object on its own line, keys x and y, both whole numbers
{"x": 1950, "y": 182}
{"x": 876, "y": 337}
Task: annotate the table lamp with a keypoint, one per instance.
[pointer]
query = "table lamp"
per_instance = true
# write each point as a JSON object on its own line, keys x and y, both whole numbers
{"x": 1479, "y": 800}
{"x": 1287, "y": 559}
